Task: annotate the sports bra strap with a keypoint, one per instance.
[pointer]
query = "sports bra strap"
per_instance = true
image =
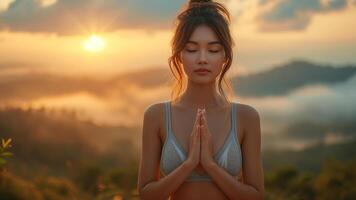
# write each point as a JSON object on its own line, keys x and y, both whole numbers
{"x": 233, "y": 117}
{"x": 168, "y": 117}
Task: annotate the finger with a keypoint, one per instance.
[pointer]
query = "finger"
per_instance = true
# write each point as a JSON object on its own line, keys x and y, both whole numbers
{"x": 197, "y": 117}
{"x": 205, "y": 128}
{"x": 193, "y": 135}
{"x": 203, "y": 132}
{"x": 202, "y": 138}
{"x": 204, "y": 120}
{"x": 198, "y": 134}
{"x": 197, "y": 131}
{"x": 194, "y": 138}
{"x": 201, "y": 114}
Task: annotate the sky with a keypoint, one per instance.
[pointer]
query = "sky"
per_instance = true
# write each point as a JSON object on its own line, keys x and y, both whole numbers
{"x": 50, "y": 35}
{"x": 105, "y": 38}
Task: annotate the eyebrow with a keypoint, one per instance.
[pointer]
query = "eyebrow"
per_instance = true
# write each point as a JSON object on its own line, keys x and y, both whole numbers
{"x": 210, "y": 43}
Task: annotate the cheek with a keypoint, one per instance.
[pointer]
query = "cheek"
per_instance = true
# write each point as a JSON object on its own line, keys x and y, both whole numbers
{"x": 217, "y": 63}
{"x": 188, "y": 61}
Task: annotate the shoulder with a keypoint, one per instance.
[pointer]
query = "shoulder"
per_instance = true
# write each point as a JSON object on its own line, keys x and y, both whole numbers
{"x": 154, "y": 109}
{"x": 154, "y": 113}
{"x": 247, "y": 112}
{"x": 249, "y": 119}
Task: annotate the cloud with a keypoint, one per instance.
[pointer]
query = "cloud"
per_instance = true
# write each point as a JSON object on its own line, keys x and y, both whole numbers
{"x": 4, "y": 4}
{"x": 68, "y": 17}
{"x": 285, "y": 15}
{"x": 73, "y": 17}
{"x": 308, "y": 115}
{"x": 105, "y": 100}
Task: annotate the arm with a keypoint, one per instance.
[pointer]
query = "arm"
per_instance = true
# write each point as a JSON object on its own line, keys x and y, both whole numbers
{"x": 149, "y": 184}
{"x": 253, "y": 186}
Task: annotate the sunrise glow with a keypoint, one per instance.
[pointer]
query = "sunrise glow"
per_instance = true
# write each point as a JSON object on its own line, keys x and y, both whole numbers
{"x": 94, "y": 43}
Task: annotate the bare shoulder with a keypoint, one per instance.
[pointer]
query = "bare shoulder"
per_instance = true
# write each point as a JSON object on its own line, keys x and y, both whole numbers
{"x": 154, "y": 110}
{"x": 249, "y": 119}
{"x": 153, "y": 115}
{"x": 247, "y": 112}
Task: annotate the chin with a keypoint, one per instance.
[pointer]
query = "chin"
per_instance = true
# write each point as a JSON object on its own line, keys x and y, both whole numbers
{"x": 203, "y": 80}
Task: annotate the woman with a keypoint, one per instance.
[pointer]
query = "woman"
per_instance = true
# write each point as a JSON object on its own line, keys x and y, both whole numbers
{"x": 200, "y": 145}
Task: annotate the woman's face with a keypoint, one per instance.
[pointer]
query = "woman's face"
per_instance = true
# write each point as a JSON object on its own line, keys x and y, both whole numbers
{"x": 203, "y": 51}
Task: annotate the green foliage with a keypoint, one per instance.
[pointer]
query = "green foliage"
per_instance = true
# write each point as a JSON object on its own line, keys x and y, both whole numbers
{"x": 288, "y": 183}
{"x": 5, "y": 145}
{"x": 337, "y": 181}
{"x": 56, "y": 188}
{"x": 15, "y": 188}
{"x": 55, "y": 160}
{"x": 41, "y": 188}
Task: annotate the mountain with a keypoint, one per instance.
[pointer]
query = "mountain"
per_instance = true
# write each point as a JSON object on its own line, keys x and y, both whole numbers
{"x": 279, "y": 80}
{"x": 285, "y": 78}
{"x": 53, "y": 139}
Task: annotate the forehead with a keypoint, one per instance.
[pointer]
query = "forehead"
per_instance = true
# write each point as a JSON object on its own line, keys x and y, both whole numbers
{"x": 203, "y": 34}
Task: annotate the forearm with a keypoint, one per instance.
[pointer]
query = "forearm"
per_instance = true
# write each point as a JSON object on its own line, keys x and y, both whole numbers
{"x": 163, "y": 188}
{"x": 232, "y": 188}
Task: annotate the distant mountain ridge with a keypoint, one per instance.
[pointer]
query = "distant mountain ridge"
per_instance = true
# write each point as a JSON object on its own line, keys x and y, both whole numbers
{"x": 285, "y": 78}
{"x": 277, "y": 81}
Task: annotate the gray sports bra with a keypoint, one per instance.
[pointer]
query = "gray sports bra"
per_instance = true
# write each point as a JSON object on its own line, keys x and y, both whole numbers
{"x": 228, "y": 157}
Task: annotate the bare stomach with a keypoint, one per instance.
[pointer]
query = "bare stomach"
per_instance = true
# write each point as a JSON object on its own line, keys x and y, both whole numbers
{"x": 199, "y": 190}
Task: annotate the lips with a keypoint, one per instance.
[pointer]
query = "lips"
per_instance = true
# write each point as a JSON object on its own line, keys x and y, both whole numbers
{"x": 202, "y": 70}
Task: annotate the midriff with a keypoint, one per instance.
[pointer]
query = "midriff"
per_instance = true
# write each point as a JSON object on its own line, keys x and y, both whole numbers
{"x": 207, "y": 190}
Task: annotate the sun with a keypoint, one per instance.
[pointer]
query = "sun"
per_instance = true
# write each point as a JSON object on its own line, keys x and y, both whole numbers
{"x": 94, "y": 43}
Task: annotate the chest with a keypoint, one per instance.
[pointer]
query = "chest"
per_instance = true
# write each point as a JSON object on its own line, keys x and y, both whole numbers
{"x": 219, "y": 124}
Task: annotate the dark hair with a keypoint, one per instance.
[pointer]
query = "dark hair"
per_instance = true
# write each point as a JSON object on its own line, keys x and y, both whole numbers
{"x": 200, "y": 12}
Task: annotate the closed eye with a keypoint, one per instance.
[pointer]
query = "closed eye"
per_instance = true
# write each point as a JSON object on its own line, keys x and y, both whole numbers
{"x": 191, "y": 50}
{"x": 212, "y": 51}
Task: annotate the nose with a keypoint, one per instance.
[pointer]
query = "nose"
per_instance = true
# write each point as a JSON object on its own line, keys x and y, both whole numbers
{"x": 202, "y": 57}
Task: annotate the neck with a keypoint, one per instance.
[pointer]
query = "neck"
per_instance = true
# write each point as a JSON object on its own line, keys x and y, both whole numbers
{"x": 201, "y": 96}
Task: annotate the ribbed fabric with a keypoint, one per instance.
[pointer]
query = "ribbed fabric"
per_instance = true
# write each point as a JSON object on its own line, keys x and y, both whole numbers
{"x": 228, "y": 157}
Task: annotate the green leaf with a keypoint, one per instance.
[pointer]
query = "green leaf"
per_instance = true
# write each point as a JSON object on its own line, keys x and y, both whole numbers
{"x": 6, "y": 143}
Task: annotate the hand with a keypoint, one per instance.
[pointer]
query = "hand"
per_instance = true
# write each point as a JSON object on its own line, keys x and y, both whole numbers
{"x": 206, "y": 154}
{"x": 194, "y": 144}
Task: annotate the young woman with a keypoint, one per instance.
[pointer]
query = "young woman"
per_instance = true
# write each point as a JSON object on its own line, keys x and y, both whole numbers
{"x": 200, "y": 145}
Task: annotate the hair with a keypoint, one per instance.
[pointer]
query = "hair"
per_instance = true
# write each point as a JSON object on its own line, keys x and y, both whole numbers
{"x": 196, "y": 13}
